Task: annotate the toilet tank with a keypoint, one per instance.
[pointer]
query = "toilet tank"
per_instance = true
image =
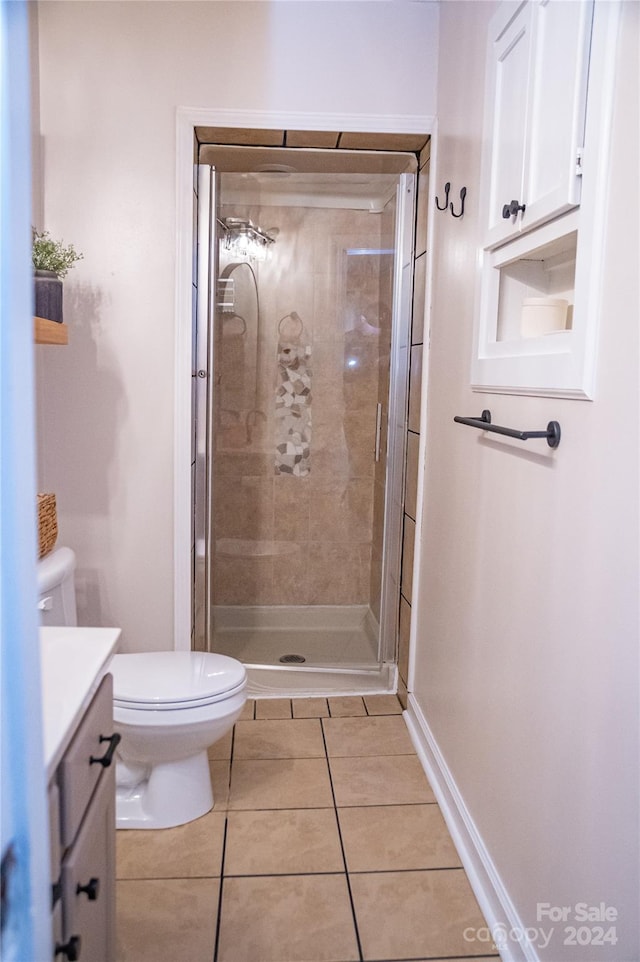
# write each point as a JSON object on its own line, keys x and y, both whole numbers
{"x": 56, "y": 588}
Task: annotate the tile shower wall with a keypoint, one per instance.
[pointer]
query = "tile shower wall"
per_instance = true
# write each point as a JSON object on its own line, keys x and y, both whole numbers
{"x": 413, "y": 424}
{"x": 308, "y": 537}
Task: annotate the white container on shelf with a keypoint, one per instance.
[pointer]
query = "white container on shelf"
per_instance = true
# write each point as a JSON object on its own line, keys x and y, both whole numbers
{"x": 543, "y": 315}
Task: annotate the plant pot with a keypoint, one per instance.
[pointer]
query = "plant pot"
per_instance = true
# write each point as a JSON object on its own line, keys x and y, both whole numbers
{"x": 48, "y": 295}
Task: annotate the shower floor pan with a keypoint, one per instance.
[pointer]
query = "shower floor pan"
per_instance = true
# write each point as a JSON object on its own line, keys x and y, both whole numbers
{"x": 296, "y": 650}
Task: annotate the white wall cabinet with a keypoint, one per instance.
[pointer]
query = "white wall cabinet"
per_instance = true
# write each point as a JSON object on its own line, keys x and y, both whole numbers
{"x": 551, "y": 72}
{"x": 537, "y": 74}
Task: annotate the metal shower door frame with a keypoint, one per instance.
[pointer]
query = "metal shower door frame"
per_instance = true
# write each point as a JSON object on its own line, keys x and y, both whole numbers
{"x": 397, "y": 416}
{"x": 203, "y": 348}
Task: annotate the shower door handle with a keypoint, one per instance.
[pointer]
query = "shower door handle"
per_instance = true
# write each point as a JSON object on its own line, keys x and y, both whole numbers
{"x": 378, "y": 430}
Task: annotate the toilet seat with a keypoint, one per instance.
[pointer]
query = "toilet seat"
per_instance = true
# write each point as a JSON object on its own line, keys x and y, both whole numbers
{"x": 174, "y": 680}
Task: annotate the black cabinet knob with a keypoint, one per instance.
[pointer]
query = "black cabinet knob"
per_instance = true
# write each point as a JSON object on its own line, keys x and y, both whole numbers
{"x": 91, "y": 888}
{"x": 56, "y": 893}
{"x": 510, "y": 210}
{"x": 71, "y": 949}
{"x": 107, "y": 758}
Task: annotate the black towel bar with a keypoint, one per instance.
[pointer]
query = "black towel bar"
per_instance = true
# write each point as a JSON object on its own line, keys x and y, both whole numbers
{"x": 552, "y": 434}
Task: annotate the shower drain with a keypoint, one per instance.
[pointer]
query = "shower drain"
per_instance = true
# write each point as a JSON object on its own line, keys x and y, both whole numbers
{"x": 292, "y": 659}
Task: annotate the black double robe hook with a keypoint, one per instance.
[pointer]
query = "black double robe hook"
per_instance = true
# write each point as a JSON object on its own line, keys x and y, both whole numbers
{"x": 447, "y": 188}
{"x": 463, "y": 194}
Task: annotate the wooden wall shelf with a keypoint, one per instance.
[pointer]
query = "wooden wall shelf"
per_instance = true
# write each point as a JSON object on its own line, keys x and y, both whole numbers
{"x": 50, "y": 332}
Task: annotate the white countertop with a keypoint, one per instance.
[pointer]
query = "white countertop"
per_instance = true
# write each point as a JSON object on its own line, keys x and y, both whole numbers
{"x": 73, "y": 663}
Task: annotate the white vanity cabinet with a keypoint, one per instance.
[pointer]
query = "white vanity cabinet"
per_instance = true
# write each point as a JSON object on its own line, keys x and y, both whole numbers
{"x": 82, "y": 810}
{"x": 537, "y": 73}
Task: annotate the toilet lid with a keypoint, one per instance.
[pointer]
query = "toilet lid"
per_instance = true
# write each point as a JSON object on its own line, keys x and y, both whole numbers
{"x": 170, "y": 679}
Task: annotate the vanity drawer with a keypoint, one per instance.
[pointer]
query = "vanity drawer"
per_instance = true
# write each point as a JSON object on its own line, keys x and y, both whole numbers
{"x": 89, "y": 755}
{"x": 88, "y": 879}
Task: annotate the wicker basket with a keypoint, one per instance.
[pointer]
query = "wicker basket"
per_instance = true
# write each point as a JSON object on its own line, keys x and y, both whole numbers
{"x": 47, "y": 523}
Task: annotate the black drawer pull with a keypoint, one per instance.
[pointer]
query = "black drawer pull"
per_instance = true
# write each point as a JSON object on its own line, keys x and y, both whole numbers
{"x": 91, "y": 888}
{"x": 107, "y": 758}
{"x": 70, "y": 949}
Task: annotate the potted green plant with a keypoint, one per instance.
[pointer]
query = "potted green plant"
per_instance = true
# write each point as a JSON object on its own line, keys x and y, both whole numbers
{"x": 52, "y": 261}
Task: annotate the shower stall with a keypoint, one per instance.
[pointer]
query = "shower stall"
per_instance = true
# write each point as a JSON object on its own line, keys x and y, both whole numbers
{"x": 303, "y": 314}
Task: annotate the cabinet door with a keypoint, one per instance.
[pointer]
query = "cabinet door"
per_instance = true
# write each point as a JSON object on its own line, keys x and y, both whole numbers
{"x": 88, "y": 886}
{"x": 53, "y": 797}
{"x": 506, "y": 118}
{"x": 80, "y": 769}
{"x": 558, "y": 96}
{"x": 56, "y": 923}
{"x": 537, "y": 74}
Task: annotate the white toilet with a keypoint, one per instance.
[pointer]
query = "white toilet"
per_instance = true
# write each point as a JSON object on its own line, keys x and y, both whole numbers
{"x": 169, "y": 707}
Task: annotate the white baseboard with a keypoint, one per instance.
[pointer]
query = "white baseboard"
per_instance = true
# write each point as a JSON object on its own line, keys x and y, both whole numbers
{"x": 498, "y": 909}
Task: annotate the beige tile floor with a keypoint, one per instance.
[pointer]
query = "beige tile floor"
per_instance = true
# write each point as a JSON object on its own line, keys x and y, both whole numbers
{"x": 325, "y": 844}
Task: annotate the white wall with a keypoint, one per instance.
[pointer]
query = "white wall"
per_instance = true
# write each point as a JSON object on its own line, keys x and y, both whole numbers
{"x": 111, "y": 77}
{"x": 527, "y": 649}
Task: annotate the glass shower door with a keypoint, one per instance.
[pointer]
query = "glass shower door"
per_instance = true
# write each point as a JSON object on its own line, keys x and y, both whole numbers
{"x": 309, "y": 350}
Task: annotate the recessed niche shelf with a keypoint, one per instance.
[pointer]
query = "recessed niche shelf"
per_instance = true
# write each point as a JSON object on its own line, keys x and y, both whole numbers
{"x": 550, "y": 262}
{"x": 547, "y": 272}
